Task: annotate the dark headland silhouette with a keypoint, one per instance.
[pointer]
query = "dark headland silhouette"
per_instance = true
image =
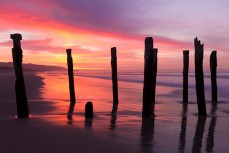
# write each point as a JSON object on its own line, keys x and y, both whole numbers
{"x": 29, "y": 67}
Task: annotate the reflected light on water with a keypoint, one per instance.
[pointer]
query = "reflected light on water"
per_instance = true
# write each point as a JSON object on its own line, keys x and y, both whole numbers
{"x": 99, "y": 91}
{"x": 175, "y": 126}
{"x": 56, "y": 91}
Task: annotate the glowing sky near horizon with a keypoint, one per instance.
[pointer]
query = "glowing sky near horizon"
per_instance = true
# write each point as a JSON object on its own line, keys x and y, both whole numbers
{"x": 92, "y": 27}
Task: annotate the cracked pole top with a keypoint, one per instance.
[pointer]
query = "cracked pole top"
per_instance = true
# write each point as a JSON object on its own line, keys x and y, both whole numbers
{"x": 16, "y": 40}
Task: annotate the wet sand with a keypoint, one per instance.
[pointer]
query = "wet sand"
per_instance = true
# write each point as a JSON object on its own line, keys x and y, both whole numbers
{"x": 176, "y": 127}
{"x": 36, "y": 135}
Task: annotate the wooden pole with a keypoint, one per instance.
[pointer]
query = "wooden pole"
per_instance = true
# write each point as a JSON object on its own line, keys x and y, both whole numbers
{"x": 71, "y": 82}
{"x": 154, "y": 75}
{"x": 21, "y": 97}
{"x": 199, "y": 77}
{"x": 89, "y": 110}
{"x": 185, "y": 75}
{"x": 114, "y": 76}
{"x": 150, "y": 70}
{"x": 213, "y": 66}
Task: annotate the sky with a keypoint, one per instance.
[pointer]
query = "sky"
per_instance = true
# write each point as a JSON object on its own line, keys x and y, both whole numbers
{"x": 92, "y": 27}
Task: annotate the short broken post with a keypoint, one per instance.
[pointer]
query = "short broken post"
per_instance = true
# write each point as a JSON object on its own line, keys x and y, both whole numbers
{"x": 21, "y": 97}
{"x": 199, "y": 77}
{"x": 71, "y": 82}
{"x": 150, "y": 72}
{"x": 185, "y": 75}
{"x": 114, "y": 78}
{"x": 213, "y": 68}
{"x": 89, "y": 110}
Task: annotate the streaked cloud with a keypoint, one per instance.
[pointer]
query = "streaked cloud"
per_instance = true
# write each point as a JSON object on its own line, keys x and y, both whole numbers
{"x": 94, "y": 26}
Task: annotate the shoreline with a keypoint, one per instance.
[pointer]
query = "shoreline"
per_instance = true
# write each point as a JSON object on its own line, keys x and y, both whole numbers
{"x": 49, "y": 130}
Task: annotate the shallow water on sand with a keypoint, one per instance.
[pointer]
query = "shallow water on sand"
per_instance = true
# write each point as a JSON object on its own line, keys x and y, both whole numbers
{"x": 176, "y": 127}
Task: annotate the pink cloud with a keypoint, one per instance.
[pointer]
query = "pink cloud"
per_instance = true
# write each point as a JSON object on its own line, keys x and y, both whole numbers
{"x": 125, "y": 23}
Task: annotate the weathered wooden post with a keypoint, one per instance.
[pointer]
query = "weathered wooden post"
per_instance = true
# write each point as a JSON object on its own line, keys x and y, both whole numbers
{"x": 21, "y": 98}
{"x": 213, "y": 66}
{"x": 114, "y": 80}
{"x": 150, "y": 70}
{"x": 154, "y": 75}
{"x": 89, "y": 110}
{"x": 114, "y": 76}
{"x": 147, "y": 98}
{"x": 185, "y": 75}
{"x": 199, "y": 76}
{"x": 71, "y": 81}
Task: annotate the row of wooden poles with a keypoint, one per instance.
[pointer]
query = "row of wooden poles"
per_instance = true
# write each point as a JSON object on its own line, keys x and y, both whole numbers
{"x": 150, "y": 74}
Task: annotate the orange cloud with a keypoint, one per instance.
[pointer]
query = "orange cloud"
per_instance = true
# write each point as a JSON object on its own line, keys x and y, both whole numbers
{"x": 46, "y": 36}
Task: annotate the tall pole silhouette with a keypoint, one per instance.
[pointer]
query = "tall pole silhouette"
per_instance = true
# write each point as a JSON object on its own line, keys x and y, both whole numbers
{"x": 114, "y": 76}
{"x": 213, "y": 66}
{"x": 185, "y": 75}
{"x": 155, "y": 51}
{"x": 71, "y": 82}
{"x": 199, "y": 77}
{"x": 150, "y": 72}
{"x": 21, "y": 97}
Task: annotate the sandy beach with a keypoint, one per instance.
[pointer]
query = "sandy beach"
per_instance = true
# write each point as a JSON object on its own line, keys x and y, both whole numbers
{"x": 176, "y": 127}
{"x": 155, "y": 73}
{"x": 37, "y": 134}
